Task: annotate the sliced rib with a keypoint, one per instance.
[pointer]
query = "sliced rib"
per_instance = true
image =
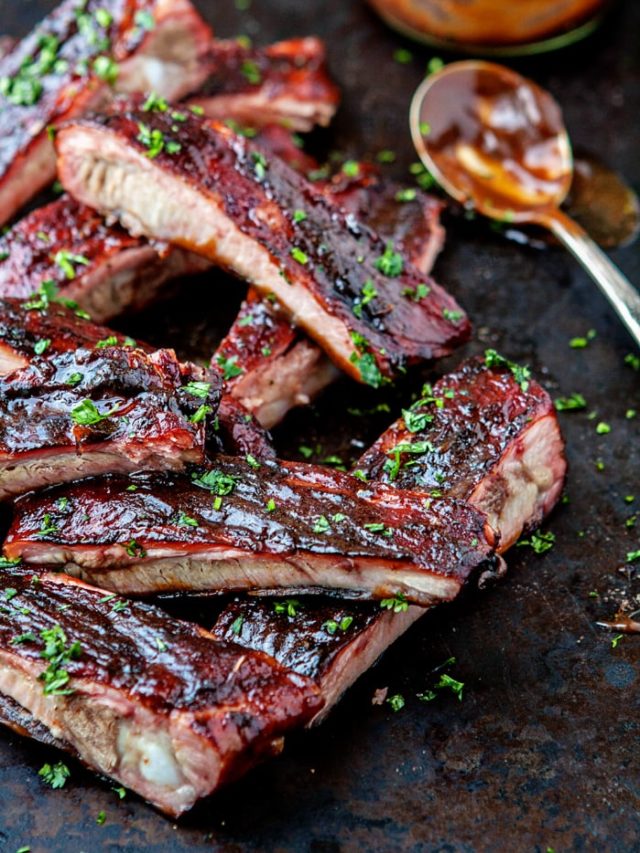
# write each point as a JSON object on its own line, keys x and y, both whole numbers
{"x": 65, "y": 67}
{"x": 494, "y": 444}
{"x": 101, "y": 267}
{"x": 152, "y": 702}
{"x": 93, "y": 411}
{"x": 23, "y": 331}
{"x": 240, "y": 525}
{"x": 286, "y": 83}
{"x": 270, "y": 365}
{"x": 218, "y": 195}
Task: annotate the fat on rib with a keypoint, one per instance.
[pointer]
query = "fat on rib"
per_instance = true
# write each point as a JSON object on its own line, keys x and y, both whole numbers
{"x": 152, "y": 702}
{"x": 212, "y": 191}
{"x": 72, "y": 61}
{"x": 486, "y": 439}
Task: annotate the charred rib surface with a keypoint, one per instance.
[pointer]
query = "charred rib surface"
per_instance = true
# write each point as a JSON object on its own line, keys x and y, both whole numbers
{"x": 94, "y": 411}
{"x": 215, "y": 193}
{"x": 154, "y": 703}
{"x": 255, "y": 526}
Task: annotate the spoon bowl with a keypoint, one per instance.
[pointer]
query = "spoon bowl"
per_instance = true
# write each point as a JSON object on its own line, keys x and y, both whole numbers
{"x": 496, "y": 142}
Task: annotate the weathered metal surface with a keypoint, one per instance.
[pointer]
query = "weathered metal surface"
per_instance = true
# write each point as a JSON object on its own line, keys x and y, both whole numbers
{"x": 543, "y": 750}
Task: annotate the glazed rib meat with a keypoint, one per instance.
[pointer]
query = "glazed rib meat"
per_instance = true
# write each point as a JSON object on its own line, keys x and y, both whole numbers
{"x": 487, "y": 439}
{"x": 211, "y": 191}
{"x": 69, "y": 64}
{"x": 101, "y": 267}
{"x": 154, "y": 703}
{"x": 267, "y": 363}
{"x": 242, "y": 525}
{"x": 93, "y": 411}
{"x": 286, "y": 82}
{"x": 23, "y": 331}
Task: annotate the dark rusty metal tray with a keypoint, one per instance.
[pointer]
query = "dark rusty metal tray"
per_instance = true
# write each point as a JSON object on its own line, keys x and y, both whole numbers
{"x": 543, "y": 750}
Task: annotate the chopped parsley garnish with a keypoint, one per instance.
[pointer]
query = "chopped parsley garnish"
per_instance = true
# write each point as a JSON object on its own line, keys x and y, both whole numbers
{"x": 216, "y": 482}
{"x": 155, "y": 103}
{"x": 386, "y": 156}
{"x": 572, "y": 403}
{"x": 365, "y": 361}
{"x": 521, "y": 373}
{"x": 435, "y": 64}
{"x": 299, "y": 216}
{"x": 259, "y": 164}
{"x": 111, "y": 341}
{"x": 408, "y": 194}
{"x": 367, "y": 295}
{"x": 271, "y": 505}
{"x": 603, "y": 428}
{"x": 540, "y": 542}
{"x": 351, "y": 168}
{"x": 229, "y": 367}
{"x": 198, "y": 389}
{"x": 251, "y": 72}
{"x": 68, "y": 261}
{"x": 582, "y": 342}
{"x": 398, "y": 603}
{"x": 55, "y": 775}
{"x": 322, "y": 525}
{"x": 58, "y": 653}
{"x": 632, "y": 360}
{"x": 378, "y": 527}
{"x": 86, "y": 413}
{"x": 41, "y": 345}
{"x": 252, "y": 461}
{"x": 402, "y": 56}
{"x": 396, "y": 702}
{"x": 6, "y": 563}
{"x": 28, "y": 637}
{"x": 200, "y": 414}
{"x": 390, "y": 263}
{"x": 416, "y": 421}
{"x": 288, "y": 607}
{"x": 185, "y": 520}
{"x": 615, "y": 640}
{"x": 101, "y": 818}
{"x": 633, "y": 556}
{"x": 421, "y": 291}
{"x": 452, "y": 316}
{"x": 154, "y": 141}
{"x": 133, "y": 549}
{"x": 236, "y": 625}
{"x": 331, "y": 626}
{"x": 106, "y": 69}
{"x": 299, "y": 256}
{"x": 47, "y": 527}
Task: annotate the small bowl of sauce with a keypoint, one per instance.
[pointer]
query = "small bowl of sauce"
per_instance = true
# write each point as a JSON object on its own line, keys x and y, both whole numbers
{"x": 493, "y": 27}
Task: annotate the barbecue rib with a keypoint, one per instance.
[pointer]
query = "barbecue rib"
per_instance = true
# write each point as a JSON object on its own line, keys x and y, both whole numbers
{"x": 284, "y": 83}
{"x": 267, "y": 363}
{"x": 101, "y": 267}
{"x": 248, "y": 525}
{"x": 211, "y": 191}
{"x": 68, "y": 65}
{"x": 153, "y": 702}
{"x": 23, "y": 331}
{"x": 495, "y": 443}
{"x": 94, "y": 411}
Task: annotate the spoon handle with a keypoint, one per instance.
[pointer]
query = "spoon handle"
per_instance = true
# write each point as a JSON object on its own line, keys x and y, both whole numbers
{"x": 616, "y": 287}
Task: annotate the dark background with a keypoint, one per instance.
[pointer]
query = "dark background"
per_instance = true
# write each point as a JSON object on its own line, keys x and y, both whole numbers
{"x": 543, "y": 750}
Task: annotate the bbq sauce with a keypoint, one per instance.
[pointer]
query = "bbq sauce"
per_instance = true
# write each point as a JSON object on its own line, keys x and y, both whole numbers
{"x": 499, "y": 142}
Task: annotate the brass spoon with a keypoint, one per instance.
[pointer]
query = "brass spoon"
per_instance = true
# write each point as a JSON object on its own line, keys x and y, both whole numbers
{"x": 496, "y": 141}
